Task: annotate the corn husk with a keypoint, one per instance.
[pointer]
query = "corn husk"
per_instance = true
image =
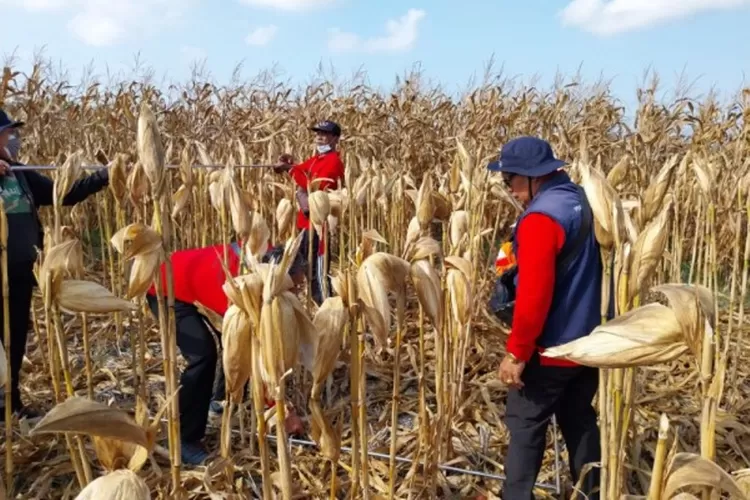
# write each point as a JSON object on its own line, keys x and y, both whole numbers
{"x": 645, "y": 336}
{"x": 284, "y": 218}
{"x": 618, "y": 173}
{"x": 137, "y": 185}
{"x": 118, "y": 485}
{"x": 329, "y": 321}
{"x": 367, "y": 245}
{"x": 320, "y": 208}
{"x": 459, "y": 226}
{"x": 237, "y": 349}
{"x": 150, "y": 148}
{"x": 425, "y": 204}
{"x": 78, "y": 296}
{"x": 648, "y": 250}
{"x": 324, "y": 434}
{"x": 118, "y": 177}
{"x": 458, "y": 281}
{"x": 67, "y": 175}
{"x": 238, "y": 209}
{"x": 424, "y": 248}
{"x": 654, "y": 196}
{"x": 258, "y": 237}
{"x": 378, "y": 275}
{"x": 429, "y": 292}
{"x": 142, "y": 245}
{"x": 605, "y": 204}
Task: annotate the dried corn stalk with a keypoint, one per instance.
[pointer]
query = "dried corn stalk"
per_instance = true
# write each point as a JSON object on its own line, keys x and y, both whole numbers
{"x": 142, "y": 245}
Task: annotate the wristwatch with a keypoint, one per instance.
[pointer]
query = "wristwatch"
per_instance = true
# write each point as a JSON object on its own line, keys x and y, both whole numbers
{"x": 514, "y": 359}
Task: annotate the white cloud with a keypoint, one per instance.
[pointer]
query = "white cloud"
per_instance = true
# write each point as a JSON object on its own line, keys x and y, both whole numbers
{"x": 108, "y": 22}
{"x": 611, "y": 17}
{"x": 400, "y": 35}
{"x": 288, "y": 5}
{"x": 262, "y": 35}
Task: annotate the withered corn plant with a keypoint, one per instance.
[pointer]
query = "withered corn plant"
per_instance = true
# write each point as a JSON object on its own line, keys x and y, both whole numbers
{"x": 413, "y": 230}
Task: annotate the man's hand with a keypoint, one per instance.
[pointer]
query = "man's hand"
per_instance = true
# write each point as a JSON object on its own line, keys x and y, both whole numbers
{"x": 4, "y": 168}
{"x": 286, "y": 159}
{"x": 285, "y": 162}
{"x": 510, "y": 372}
{"x": 293, "y": 424}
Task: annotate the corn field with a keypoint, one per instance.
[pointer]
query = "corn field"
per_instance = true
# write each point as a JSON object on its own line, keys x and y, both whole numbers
{"x": 401, "y": 361}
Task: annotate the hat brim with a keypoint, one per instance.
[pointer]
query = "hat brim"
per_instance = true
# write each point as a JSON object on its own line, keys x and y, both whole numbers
{"x": 12, "y": 125}
{"x": 317, "y": 129}
{"x": 537, "y": 171}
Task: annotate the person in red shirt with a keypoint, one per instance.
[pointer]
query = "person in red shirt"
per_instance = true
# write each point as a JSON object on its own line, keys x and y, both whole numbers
{"x": 327, "y": 169}
{"x": 557, "y": 291}
{"x": 198, "y": 277}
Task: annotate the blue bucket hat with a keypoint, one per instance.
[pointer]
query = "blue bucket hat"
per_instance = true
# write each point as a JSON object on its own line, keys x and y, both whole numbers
{"x": 526, "y": 156}
{"x": 6, "y": 122}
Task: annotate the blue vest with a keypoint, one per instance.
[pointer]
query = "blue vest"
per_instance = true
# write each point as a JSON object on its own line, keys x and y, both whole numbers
{"x": 576, "y": 303}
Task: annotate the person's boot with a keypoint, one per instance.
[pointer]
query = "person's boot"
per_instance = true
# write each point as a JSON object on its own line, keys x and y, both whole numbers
{"x": 193, "y": 453}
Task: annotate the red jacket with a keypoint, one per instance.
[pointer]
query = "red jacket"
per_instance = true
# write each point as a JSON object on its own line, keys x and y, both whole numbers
{"x": 320, "y": 166}
{"x": 540, "y": 239}
{"x": 197, "y": 275}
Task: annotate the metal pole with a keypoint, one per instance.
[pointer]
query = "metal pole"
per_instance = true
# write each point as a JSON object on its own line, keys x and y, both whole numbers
{"x": 21, "y": 168}
{"x": 447, "y": 468}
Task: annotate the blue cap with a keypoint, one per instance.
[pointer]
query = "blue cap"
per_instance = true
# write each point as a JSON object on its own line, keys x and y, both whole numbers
{"x": 328, "y": 127}
{"x": 6, "y": 122}
{"x": 526, "y": 156}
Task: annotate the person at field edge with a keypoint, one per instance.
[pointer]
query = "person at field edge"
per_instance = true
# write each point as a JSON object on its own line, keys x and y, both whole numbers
{"x": 327, "y": 166}
{"x": 198, "y": 277}
{"x": 555, "y": 303}
{"x": 22, "y": 192}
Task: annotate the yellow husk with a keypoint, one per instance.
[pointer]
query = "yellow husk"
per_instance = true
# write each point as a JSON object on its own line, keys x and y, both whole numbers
{"x": 118, "y": 485}
{"x": 645, "y": 336}
{"x": 77, "y": 296}
{"x": 379, "y": 274}
{"x": 237, "y": 344}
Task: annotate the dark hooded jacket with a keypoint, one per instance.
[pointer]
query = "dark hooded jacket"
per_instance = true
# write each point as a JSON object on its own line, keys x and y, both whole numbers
{"x": 22, "y": 192}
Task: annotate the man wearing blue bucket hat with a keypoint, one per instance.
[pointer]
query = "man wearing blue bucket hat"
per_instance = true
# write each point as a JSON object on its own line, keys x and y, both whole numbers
{"x": 22, "y": 192}
{"x": 557, "y": 296}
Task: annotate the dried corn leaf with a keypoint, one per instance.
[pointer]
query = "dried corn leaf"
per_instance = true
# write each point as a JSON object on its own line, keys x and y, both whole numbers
{"x": 690, "y": 470}
{"x": 85, "y": 416}
{"x": 77, "y": 296}
{"x": 645, "y": 336}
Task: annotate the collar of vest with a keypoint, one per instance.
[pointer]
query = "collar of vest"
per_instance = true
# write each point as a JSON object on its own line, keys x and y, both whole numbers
{"x": 556, "y": 180}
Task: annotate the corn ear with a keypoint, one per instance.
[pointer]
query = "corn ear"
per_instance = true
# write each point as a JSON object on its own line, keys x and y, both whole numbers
{"x": 118, "y": 485}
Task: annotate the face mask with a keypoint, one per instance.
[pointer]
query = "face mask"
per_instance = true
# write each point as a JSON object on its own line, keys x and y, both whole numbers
{"x": 324, "y": 148}
{"x": 14, "y": 145}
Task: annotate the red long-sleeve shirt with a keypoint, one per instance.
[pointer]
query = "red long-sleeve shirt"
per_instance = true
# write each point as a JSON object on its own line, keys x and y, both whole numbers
{"x": 321, "y": 166}
{"x": 198, "y": 276}
{"x": 540, "y": 240}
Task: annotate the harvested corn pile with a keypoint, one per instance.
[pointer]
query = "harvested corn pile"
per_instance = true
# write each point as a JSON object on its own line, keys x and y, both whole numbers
{"x": 394, "y": 375}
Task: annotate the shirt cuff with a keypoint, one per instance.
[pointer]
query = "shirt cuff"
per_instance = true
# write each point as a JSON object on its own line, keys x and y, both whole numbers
{"x": 522, "y": 352}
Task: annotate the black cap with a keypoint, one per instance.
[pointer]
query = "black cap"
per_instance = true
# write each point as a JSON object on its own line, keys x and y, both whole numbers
{"x": 6, "y": 122}
{"x": 328, "y": 127}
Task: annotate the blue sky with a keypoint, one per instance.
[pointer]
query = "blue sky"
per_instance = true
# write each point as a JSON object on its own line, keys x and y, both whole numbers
{"x": 451, "y": 41}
